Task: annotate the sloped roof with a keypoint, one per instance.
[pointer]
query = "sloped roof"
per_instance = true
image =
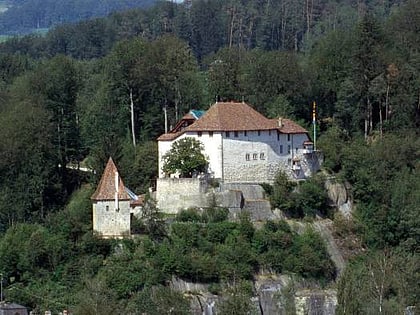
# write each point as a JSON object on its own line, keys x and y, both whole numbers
{"x": 235, "y": 116}
{"x": 287, "y": 126}
{"x": 231, "y": 117}
{"x": 106, "y": 187}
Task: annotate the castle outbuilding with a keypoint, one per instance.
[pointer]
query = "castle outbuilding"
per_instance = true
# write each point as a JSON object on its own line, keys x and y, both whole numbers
{"x": 113, "y": 204}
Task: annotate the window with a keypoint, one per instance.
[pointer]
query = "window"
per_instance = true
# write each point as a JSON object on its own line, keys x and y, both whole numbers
{"x": 199, "y": 133}
{"x": 247, "y": 157}
{"x": 269, "y": 132}
{"x": 227, "y": 134}
{"x": 235, "y": 134}
{"x": 281, "y": 149}
{"x": 262, "y": 156}
{"x": 288, "y": 149}
{"x": 259, "y": 132}
{"x": 107, "y": 208}
{"x": 288, "y": 137}
{"x": 255, "y": 156}
{"x": 211, "y": 134}
{"x": 245, "y": 133}
{"x": 278, "y": 136}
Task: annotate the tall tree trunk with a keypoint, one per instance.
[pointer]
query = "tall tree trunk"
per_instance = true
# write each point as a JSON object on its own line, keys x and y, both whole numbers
{"x": 387, "y": 100}
{"x": 232, "y": 23}
{"x": 380, "y": 121}
{"x": 132, "y": 117}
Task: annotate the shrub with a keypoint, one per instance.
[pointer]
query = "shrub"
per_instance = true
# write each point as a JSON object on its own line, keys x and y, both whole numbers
{"x": 215, "y": 214}
{"x": 188, "y": 215}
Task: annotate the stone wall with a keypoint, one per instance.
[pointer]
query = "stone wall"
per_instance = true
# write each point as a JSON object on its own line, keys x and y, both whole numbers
{"x": 174, "y": 194}
{"x": 273, "y": 296}
{"x": 110, "y": 222}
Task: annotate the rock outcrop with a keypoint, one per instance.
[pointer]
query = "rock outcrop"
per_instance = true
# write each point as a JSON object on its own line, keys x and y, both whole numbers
{"x": 340, "y": 196}
{"x": 274, "y": 295}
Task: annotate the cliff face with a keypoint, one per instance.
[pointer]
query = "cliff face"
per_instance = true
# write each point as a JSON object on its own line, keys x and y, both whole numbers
{"x": 274, "y": 295}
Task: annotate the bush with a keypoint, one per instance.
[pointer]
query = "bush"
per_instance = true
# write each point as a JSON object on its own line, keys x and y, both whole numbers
{"x": 215, "y": 214}
{"x": 188, "y": 215}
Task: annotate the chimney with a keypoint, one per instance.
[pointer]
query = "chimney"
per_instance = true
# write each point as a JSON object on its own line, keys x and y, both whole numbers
{"x": 116, "y": 191}
{"x": 280, "y": 122}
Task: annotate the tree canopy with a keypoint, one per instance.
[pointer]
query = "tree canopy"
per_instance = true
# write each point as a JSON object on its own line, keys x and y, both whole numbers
{"x": 185, "y": 158}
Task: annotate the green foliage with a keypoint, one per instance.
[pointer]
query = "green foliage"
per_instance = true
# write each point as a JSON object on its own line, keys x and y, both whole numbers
{"x": 215, "y": 214}
{"x": 298, "y": 200}
{"x": 310, "y": 199}
{"x": 380, "y": 282}
{"x": 138, "y": 166}
{"x": 188, "y": 215}
{"x": 362, "y": 69}
{"x": 379, "y": 173}
{"x": 158, "y": 300}
{"x": 238, "y": 301}
{"x": 96, "y": 298}
{"x": 153, "y": 219}
{"x": 309, "y": 257}
{"x": 332, "y": 143}
{"x": 185, "y": 157}
{"x": 282, "y": 188}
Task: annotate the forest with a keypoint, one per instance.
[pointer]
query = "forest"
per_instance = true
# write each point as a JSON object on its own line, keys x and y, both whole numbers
{"x": 65, "y": 100}
{"x": 26, "y": 16}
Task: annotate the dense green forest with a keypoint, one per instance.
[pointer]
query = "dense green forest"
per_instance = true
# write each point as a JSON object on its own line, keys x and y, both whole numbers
{"x": 65, "y": 100}
{"x": 25, "y": 16}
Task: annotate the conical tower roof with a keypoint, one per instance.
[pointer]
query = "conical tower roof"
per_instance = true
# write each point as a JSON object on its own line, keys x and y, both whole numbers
{"x": 106, "y": 188}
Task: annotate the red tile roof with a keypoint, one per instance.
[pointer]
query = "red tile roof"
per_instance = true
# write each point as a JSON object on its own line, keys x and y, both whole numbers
{"x": 106, "y": 186}
{"x": 235, "y": 117}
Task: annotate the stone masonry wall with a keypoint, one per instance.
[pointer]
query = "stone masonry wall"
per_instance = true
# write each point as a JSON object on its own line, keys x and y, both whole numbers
{"x": 110, "y": 222}
{"x": 174, "y": 194}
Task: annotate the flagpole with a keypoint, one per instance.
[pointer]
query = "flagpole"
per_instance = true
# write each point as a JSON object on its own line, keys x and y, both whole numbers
{"x": 314, "y": 122}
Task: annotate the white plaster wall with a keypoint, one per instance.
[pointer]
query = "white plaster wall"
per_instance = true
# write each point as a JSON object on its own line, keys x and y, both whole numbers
{"x": 227, "y": 155}
{"x": 212, "y": 150}
{"x": 110, "y": 222}
{"x": 163, "y": 147}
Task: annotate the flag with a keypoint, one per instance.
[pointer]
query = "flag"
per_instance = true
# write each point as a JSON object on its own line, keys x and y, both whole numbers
{"x": 314, "y": 112}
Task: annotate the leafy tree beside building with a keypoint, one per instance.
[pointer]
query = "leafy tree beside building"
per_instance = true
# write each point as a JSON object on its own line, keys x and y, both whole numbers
{"x": 185, "y": 157}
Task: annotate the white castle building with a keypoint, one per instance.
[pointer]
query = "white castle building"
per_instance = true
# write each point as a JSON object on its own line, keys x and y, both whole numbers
{"x": 243, "y": 146}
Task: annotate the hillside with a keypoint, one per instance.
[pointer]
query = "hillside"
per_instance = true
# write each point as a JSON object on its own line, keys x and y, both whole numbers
{"x": 84, "y": 91}
{"x": 22, "y": 17}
